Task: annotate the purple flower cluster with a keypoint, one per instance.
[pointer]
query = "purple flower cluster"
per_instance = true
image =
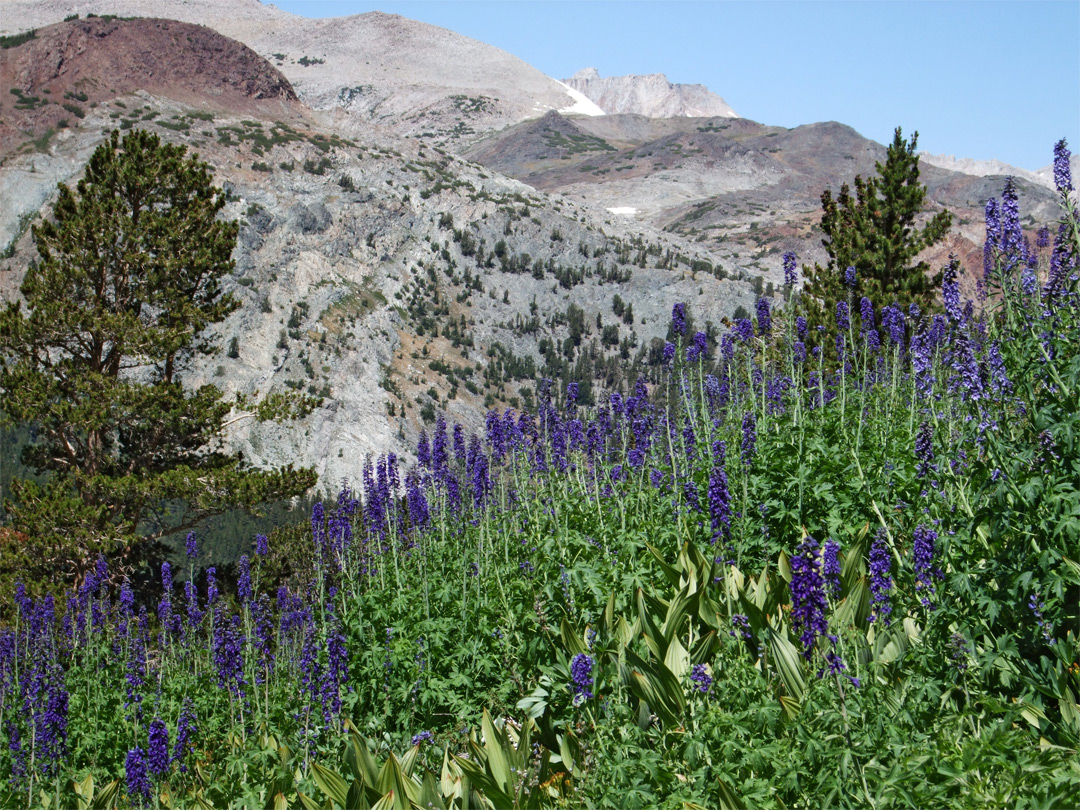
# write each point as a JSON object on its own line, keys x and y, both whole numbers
{"x": 880, "y": 581}
{"x": 748, "y": 447}
{"x": 136, "y": 779}
{"x": 808, "y": 602}
{"x": 581, "y": 677}
{"x": 926, "y": 571}
{"x": 924, "y": 450}
{"x": 764, "y": 318}
{"x": 790, "y": 275}
{"x": 1046, "y": 630}
{"x": 678, "y": 319}
{"x": 719, "y": 505}
{"x": 830, "y": 567}
{"x": 422, "y": 737}
{"x": 158, "y": 748}
{"x": 703, "y": 681}
{"x": 1062, "y": 167}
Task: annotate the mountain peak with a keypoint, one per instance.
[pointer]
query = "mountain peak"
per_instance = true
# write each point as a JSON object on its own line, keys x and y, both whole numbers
{"x": 651, "y": 95}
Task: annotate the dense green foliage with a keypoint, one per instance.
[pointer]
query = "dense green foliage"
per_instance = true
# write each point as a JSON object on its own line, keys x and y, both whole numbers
{"x": 875, "y": 233}
{"x": 749, "y": 582}
{"x": 128, "y": 280}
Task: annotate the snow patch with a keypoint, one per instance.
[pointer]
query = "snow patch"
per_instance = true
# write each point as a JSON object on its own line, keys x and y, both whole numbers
{"x": 582, "y": 104}
{"x": 623, "y": 210}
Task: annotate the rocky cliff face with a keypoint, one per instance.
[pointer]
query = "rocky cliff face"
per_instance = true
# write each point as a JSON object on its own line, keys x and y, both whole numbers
{"x": 651, "y": 95}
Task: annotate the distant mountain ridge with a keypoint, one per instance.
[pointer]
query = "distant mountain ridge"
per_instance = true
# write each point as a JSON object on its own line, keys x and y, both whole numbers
{"x": 651, "y": 95}
{"x": 991, "y": 168}
{"x": 379, "y": 69}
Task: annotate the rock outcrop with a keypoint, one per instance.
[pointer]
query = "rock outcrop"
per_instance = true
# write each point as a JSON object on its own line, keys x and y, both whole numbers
{"x": 651, "y": 95}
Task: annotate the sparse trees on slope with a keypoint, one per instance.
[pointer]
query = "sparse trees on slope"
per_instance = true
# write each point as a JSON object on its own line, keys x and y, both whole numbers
{"x": 118, "y": 304}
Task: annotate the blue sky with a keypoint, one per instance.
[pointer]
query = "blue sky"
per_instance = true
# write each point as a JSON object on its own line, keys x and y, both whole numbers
{"x": 976, "y": 79}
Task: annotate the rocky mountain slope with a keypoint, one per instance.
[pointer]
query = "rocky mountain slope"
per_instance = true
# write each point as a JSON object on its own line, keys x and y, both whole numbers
{"x": 745, "y": 192}
{"x": 389, "y": 276}
{"x": 651, "y": 95}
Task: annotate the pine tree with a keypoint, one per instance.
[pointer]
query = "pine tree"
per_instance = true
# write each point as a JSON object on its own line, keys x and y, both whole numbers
{"x": 127, "y": 282}
{"x": 876, "y": 234}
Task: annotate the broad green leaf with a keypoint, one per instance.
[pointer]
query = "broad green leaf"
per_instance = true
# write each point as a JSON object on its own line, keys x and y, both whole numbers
{"x": 332, "y": 785}
{"x": 430, "y": 795}
{"x": 498, "y": 763}
{"x": 788, "y": 664}
{"x": 729, "y": 799}
{"x": 655, "y": 684}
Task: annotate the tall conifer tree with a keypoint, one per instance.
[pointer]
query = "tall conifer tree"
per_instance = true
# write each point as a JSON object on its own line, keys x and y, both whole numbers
{"x": 118, "y": 304}
{"x": 875, "y": 233}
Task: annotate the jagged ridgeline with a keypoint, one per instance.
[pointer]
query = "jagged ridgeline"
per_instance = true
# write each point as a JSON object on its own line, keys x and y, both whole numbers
{"x": 739, "y": 582}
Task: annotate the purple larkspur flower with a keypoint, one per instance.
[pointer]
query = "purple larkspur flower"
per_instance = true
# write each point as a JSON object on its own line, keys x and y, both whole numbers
{"x": 800, "y": 327}
{"x": 262, "y": 545}
{"x": 422, "y": 737}
{"x": 950, "y": 293}
{"x": 191, "y": 547}
{"x": 959, "y": 652}
{"x": 924, "y": 449}
{"x": 136, "y": 778}
{"x": 748, "y": 447}
{"x": 187, "y": 729}
{"x": 157, "y": 749}
{"x": 923, "y": 551}
{"x": 702, "y": 679}
{"x": 419, "y": 512}
{"x": 440, "y": 456}
{"x": 842, "y": 321}
{"x": 808, "y": 602}
{"x": 690, "y": 493}
{"x": 740, "y": 627}
{"x": 1062, "y": 167}
{"x": 678, "y": 319}
{"x": 1036, "y": 605}
{"x": 423, "y": 451}
{"x": 581, "y": 667}
{"x": 701, "y": 345}
{"x": 212, "y": 590}
{"x": 880, "y": 581}
{"x": 790, "y": 274}
{"x": 830, "y": 567}
{"x": 849, "y": 277}
{"x": 1012, "y": 237}
{"x": 689, "y": 440}
{"x": 743, "y": 330}
{"x": 459, "y": 444}
{"x": 243, "y": 585}
{"x": 764, "y": 317}
{"x": 336, "y": 674}
{"x": 669, "y": 352}
{"x": 228, "y": 653}
{"x": 892, "y": 318}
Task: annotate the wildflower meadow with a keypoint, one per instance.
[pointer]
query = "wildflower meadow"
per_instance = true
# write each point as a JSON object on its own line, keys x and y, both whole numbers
{"x": 799, "y": 564}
